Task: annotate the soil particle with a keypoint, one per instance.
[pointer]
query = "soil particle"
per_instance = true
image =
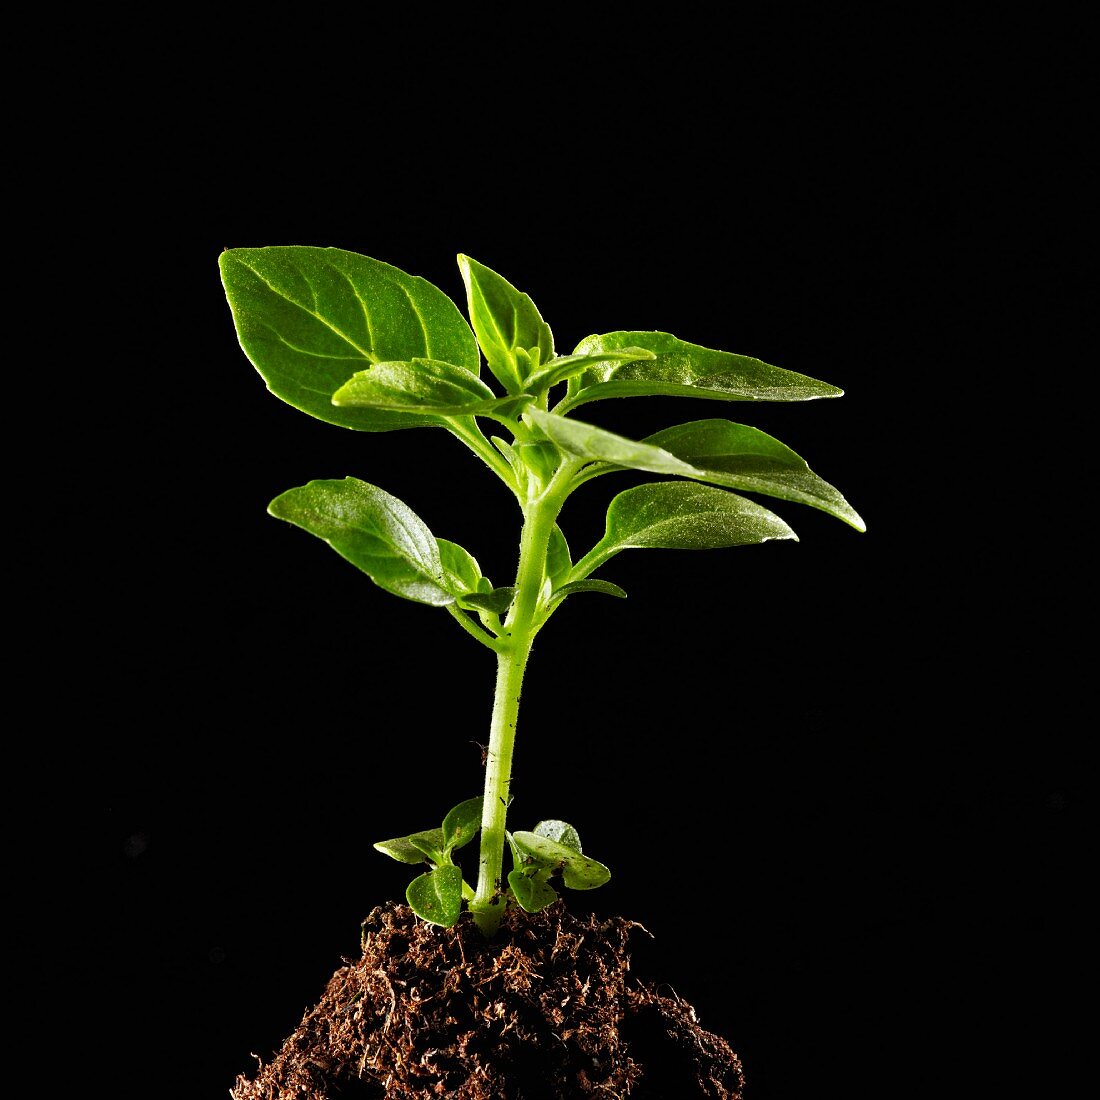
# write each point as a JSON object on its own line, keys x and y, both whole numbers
{"x": 544, "y": 1011}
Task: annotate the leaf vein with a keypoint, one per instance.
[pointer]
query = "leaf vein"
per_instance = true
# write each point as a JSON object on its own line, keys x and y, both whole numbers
{"x": 313, "y": 313}
{"x": 307, "y": 351}
{"x": 420, "y": 317}
{"x": 362, "y": 304}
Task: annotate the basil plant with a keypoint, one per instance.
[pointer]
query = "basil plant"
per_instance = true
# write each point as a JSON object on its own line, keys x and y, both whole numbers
{"x": 355, "y": 342}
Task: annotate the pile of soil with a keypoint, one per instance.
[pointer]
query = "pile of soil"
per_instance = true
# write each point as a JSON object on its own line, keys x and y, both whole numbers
{"x": 544, "y": 1011}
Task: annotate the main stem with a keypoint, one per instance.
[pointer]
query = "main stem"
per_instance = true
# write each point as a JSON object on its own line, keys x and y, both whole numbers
{"x": 514, "y": 650}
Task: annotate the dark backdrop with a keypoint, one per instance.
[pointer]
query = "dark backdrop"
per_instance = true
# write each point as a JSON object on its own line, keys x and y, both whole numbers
{"x": 837, "y": 780}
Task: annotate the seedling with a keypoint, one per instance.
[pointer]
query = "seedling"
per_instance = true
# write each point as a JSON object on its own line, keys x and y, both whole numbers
{"x": 358, "y": 343}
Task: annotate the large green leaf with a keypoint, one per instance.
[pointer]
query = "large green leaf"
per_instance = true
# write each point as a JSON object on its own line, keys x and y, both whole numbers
{"x": 718, "y": 451}
{"x": 746, "y": 458}
{"x": 680, "y": 515}
{"x": 309, "y": 318}
{"x": 375, "y": 531}
{"x": 505, "y": 320}
{"x": 588, "y": 441}
{"x": 681, "y": 369}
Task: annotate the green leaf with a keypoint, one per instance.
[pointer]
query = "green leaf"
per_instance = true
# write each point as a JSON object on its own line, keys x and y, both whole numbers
{"x": 568, "y": 366}
{"x": 681, "y": 369}
{"x": 579, "y": 872}
{"x": 561, "y": 831}
{"x": 531, "y": 889}
{"x": 498, "y": 600}
{"x": 401, "y": 849}
{"x": 591, "y": 585}
{"x": 430, "y": 842}
{"x": 682, "y": 515}
{"x": 309, "y": 318}
{"x": 505, "y": 449}
{"x": 582, "y": 873}
{"x": 461, "y": 570}
{"x": 463, "y": 577}
{"x": 746, "y": 458}
{"x": 588, "y": 441}
{"x": 558, "y": 562}
{"x": 426, "y": 387}
{"x": 540, "y": 457}
{"x": 375, "y": 532}
{"x": 437, "y": 895}
{"x": 461, "y": 824}
{"x": 504, "y": 320}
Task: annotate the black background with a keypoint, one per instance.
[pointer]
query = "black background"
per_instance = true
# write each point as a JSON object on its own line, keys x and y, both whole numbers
{"x": 840, "y": 781}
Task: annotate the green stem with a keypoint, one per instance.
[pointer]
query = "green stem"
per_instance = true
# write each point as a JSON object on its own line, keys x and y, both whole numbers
{"x": 591, "y": 562}
{"x": 471, "y": 627}
{"x": 489, "y": 900}
{"x": 513, "y": 651}
{"x": 466, "y": 431}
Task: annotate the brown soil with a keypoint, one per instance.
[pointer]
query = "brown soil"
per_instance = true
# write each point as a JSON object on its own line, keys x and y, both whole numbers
{"x": 545, "y": 1011}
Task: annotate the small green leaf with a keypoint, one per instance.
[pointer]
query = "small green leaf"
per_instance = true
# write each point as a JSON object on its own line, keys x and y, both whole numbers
{"x": 430, "y": 842}
{"x": 460, "y": 567}
{"x": 681, "y": 369}
{"x": 568, "y": 366}
{"x": 591, "y": 585}
{"x": 498, "y": 600}
{"x": 429, "y": 388}
{"x": 309, "y": 318}
{"x": 531, "y": 889}
{"x": 505, "y": 449}
{"x": 579, "y": 872}
{"x": 401, "y": 849}
{"x": 462, "y": 576}
{"x": 588, "y": 441}
{"x": 558, "y": 562}
{"x": 746, "y": 458}
{"x": 419, "y": 386}
{"x": 540, "y": 457}
{"x": 437, "y": 895}
{"x": 462, "y": 823}
{"x": 375, "y": 532}
{"x": 583, "y": 873}
{"x": 504, "y": 319}
{"x": 680, "y": 515}
{"x": 527, "y": 361}
{"x": 561, "y": 831}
